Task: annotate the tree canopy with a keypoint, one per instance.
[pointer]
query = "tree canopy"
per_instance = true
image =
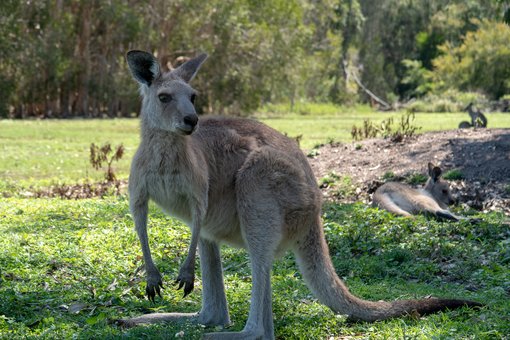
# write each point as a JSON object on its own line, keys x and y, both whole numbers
{"x": 66, "y": 58}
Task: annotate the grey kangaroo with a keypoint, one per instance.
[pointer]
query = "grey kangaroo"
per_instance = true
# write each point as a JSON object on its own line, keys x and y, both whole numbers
{"x": 239, "y": 182}
{"x": 478, "y": 119}
{"x": 401, "y": 199}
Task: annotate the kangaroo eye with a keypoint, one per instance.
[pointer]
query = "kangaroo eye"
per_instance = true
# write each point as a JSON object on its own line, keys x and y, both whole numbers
{"x": 445, "y": 191}
{"x": 165, "y": 98}
{"x": 192, "y": 98}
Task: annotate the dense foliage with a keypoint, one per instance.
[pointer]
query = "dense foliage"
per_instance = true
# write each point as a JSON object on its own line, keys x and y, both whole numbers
{"x": 66, "y": 58}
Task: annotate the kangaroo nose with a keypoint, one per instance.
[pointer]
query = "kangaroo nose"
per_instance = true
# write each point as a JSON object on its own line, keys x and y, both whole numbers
{"x": 191, "y": 120}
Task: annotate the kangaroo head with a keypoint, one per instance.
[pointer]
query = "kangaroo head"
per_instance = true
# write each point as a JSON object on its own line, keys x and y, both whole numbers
{"x": 438, "y": 188}
{"x": 468, "y": 107}
{"x": 168, "y": 99}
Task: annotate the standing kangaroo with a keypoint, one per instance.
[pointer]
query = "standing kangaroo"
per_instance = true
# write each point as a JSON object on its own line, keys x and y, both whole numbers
{"x": 239, "y": 182}
{"x": 401, "y": 199}
{"x": 478, "y": 119}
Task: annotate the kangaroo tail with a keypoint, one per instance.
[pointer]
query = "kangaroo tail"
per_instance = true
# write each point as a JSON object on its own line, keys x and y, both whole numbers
{"x": 315, "y": 264}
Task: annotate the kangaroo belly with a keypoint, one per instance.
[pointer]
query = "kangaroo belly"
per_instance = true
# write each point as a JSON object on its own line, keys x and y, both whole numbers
{"x": 416, "y": 204}
{"x": 222, "y": 222}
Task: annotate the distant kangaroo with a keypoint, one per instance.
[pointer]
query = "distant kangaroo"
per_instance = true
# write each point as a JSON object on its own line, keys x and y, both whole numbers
{"x": 239, "y": 182}
{"x": 403, "y": 200}
{"x": 478, "y": 119}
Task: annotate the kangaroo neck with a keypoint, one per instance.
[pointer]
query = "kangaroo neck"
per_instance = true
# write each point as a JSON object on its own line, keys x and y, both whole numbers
{"x": 170, "y": 149}
{"x": 151, "y": 134}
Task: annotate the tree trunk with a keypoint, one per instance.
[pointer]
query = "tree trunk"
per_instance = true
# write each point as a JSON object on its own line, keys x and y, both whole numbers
{"x": 83, "y": 55}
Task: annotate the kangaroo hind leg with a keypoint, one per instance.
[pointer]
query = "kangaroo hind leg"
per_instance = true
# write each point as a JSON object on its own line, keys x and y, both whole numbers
{"x": 261, "y": 221}
{"x": 261, "y": 245}
{"x": 214, "y": 302}
{"x": 388, "y": 204}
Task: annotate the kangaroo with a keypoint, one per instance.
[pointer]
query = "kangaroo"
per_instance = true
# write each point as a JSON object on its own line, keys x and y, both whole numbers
{"x": 403, "y": 200}
{"x": 239, "y": 182}
{"x": 478, "y": 119}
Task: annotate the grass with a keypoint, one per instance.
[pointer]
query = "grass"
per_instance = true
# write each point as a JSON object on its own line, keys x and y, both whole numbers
{"x": 335, "y": 123}
{"x": 454, "y": 174}
{"x": 44, "y": 152}
{"x": 69, "y": 267}
{"x": 48, "y": 151}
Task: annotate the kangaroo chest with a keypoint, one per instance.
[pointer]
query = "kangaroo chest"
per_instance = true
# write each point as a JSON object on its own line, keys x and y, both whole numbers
{"x": 171, "y": 185}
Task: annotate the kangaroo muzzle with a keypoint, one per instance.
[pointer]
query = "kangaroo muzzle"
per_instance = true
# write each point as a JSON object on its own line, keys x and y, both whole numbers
{"x": 190, "y": 123}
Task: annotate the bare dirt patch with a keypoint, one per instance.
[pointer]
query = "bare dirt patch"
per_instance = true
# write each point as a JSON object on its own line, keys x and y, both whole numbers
{"x": 77, "y": 191}
{"x": 482, "y": 156}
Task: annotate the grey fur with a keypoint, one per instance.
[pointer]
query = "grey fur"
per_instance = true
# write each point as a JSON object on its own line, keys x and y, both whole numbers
{"x": 478, "y": 119}
{"x": 401, "y": 199}
{"x": 239, "y": 182}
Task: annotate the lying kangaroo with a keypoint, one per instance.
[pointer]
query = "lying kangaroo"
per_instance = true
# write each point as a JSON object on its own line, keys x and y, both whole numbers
{"x": 239, "y": 182}
{"x": 401, "y": 199}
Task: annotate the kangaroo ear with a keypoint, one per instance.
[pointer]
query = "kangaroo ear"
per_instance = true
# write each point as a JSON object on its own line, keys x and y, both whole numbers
{"x": 434, "y": 172}
{"x": 188, "y": 70}
{"x": 144, "y": 67}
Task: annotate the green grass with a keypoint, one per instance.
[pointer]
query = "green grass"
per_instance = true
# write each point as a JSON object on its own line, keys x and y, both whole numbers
{"x": 454, "y": 174}
{"x": 69, "y": 267}
{"x": 56, "y": 151}
{"x": 42, "y": 152}
{"x": 322, "y": 123}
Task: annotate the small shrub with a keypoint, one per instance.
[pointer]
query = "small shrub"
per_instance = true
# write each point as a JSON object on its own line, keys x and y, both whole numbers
{"x": 328, "y": 180}
{"x": 454, "y": 174}
{"x": 315, "y": 151}
{"x": 388, "y": 176}
{"x": 415, "y": 179}
{"x": 386, "y": 129}
{"x": 339, "y": 186}
{"x": 368, "y": 130}
{"x": 344, "y": 187}
{"x": 105, "y": 155}
{"x": 406, "y": 127}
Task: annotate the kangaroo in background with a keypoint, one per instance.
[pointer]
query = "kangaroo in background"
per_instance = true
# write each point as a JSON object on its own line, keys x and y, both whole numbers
{"x": 401, "y": 199}
{"x": 234, "y": 181}
{"x": 478, "y": 119}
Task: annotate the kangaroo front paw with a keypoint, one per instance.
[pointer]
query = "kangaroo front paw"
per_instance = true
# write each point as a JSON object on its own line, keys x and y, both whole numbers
{"x": 154, "y": 285}
{"x": 186, "y": 279}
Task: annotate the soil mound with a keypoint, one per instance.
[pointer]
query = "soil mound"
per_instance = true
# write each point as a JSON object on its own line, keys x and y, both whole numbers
{"x": 482, "y": 156}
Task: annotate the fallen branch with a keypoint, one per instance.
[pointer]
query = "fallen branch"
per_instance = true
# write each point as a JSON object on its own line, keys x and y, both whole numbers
{"x": 385, "y": 105}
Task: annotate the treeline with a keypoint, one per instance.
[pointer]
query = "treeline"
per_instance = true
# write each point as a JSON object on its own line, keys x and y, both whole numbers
{"x": 64, "y": 58}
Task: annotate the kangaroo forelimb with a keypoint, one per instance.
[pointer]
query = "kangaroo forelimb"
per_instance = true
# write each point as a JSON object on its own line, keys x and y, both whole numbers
{"x": 140, "y": 210}
{"x": 186, "y": 276}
